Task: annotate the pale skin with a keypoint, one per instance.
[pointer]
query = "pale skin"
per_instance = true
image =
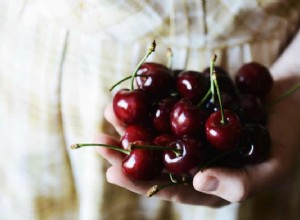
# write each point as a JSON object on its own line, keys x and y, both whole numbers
{"x": 215, "y": 187}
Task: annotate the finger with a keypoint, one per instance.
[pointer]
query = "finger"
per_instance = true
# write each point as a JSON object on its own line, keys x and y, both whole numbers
{"x": 179, "y": 193}
{"x": 236, "y": 185}
{"x": 111, "y": 118}
{"x": 112, "y": 156}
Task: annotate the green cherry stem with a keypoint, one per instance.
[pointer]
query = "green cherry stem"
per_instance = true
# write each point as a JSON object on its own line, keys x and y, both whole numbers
{"x": 211, "y": 69}
{"x": 208, "y": 93}
{"x": 134, "y": 74}
{"x": 125, "y": 79}
{"x": 150, "y": 51}
{"x": 118, "y": 83}
{"x": 76, "y": 146}
{"x": 177, "y": 152}
{"x": 169, "y": 58}
{"x": 214, "y": 77}
{"x": 284, "y": 95}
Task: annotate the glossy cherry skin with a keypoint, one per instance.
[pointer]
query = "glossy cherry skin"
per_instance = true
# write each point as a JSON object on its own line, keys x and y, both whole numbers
{"x": 223, "y": 137}
{"x": 192, "y": 155}
{"x": 132, "y": 107}
{"x": 256, "y": 143}
{"x": 143, "y": 164}
{"x": 161, "y": 116}
{"x": 192, "y": 85}
{"x": 187, "y": 119}
{"x": 254, "y": 78}
{"x": 158, "y": 79}
{"x": 164, "y": 139}
{"x": 135, "y": 133}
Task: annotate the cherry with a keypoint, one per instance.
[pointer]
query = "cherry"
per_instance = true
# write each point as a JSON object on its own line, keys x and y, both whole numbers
{"x": 132, "y": 107}
{"x": 256, "y": 143}
{"x": 251, "y": 109}
{"x": 254, "y": 78}
{"x": 143, "y": 164}
{"x": 192, "y": 155}
{"x": 152, "y": 67}
{"x": 223, "y": 127}
{"x": 164, "y": 139}
{"x": 187, "y": 119}
{"x": 192, "y": 85}
{"x": 161, "y": 116}
{"x": 225, "y": 135}
{"x": 156, "y": 78}
{"x": 135, "y": 133}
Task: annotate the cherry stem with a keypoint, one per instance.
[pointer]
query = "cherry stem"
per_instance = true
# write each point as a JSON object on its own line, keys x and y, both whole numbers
{"x": 284, "y": 95}
{"x": 219, "y": 157}
{"x": 214, "y": 76}
{"x": 150, "y": 50}
{"x": 169, "y": 58}
{"x": 204, "y": 98}
{"x": 125, "y": 79}
{"x": 211, "y": 69}
{"x": 156, "y": 188}
{"x": 76, "y": 146}
{"x": 177, "y": 152}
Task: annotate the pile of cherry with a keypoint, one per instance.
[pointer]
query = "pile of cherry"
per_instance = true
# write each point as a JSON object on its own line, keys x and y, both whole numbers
{"x": 178, "y": 120}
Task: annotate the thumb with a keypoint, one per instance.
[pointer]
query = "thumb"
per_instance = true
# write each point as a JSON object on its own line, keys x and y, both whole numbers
{"x": 236, "y": 185}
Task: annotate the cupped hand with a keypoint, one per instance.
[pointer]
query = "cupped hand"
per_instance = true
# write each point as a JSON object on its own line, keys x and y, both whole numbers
{"x": 218, "y": 186}
{"x": 179, "y": 193}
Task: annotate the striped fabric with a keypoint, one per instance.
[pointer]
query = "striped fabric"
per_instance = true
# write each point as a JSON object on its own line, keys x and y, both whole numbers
{"x": 58, "y": 59}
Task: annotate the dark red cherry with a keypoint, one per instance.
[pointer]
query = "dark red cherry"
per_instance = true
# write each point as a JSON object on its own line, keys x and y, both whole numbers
{"x": 158, "y": 79}
{"x": 251, "y": 109}
{"x": 161, "y": 116}
{"x": 143, "y": 164}
{"x": 225, "y": 136}
{"x": 135, "y": 133}
{"x": 192, "y": 155}
{"x": 164, "y": 139}
{"x": 192, "y": 85}
{"x": 256, "y": 143}
{"x": 132, "y": 107}
{"x": 187, "y": 119}
{"x": 254, "y": 78}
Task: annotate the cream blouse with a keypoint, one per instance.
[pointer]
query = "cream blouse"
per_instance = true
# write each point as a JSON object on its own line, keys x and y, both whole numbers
{"x": 58, "y": 59}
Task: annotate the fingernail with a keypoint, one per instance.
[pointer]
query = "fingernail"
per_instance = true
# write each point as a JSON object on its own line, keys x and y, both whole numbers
{"x": 209, "y": 184}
